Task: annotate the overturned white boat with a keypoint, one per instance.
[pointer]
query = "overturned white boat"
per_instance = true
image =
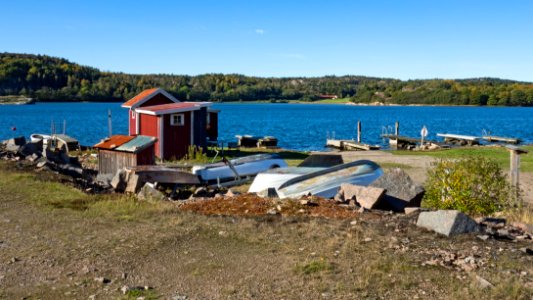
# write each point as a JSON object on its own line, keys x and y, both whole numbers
{"x": 37, "y": 137}
{"x": 323, "y": 182}
{"x": 238, "y": 167}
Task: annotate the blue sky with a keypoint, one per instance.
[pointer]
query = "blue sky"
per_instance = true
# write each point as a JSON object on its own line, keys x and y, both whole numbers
{"x": 398, "y": 39}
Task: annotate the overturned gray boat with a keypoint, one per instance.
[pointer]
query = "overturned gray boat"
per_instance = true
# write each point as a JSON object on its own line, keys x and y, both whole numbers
{"x": 323, "y": 182}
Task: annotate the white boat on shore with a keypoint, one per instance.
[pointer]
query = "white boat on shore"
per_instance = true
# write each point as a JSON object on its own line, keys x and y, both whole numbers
{"x": 323, "y": 182}
{"x": 37, "y": 137}
{"x": 238, "y": 167}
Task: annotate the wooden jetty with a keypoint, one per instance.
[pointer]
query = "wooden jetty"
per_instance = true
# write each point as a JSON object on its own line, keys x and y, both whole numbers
{"x": 459, "y": 139}
{"x": 400, "y": 142}
{"x": 500, "y": 139}
{"x": 350, "y": 145}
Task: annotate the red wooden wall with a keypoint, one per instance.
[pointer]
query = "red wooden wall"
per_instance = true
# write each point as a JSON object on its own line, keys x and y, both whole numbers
{"x": 157, "y": 100}
{"x": 177, "y": 138}
{"x": 149, "y": 126}
{"x": 212, "y": 126}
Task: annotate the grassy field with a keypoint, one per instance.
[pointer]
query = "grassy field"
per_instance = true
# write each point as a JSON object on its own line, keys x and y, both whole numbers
{"x": 499, "y": 154}
{"x": 56, "y": 240}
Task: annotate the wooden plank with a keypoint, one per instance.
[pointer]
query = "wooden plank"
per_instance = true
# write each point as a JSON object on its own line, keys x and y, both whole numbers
{"x": 459, "y": 136}
{"x": 164, "y": 174}
{"x": 509, "y": 140}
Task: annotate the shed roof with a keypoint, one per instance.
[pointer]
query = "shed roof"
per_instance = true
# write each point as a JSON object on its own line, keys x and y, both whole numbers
{"x": 137, "y": 144}
{"x": 126, "y": 143}
{"x": 147, "y": 95}
{"x": 171, "y": 108}
{"x": 113, "y": 142}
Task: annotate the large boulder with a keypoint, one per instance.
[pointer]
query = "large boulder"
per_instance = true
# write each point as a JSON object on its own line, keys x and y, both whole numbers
{"x": 367, "y": 197}
{"x": 150, "y": 193}
{"x": 13, "y": 145}
{"x": 401, "y": 191}
{"x": 447, "y": 222}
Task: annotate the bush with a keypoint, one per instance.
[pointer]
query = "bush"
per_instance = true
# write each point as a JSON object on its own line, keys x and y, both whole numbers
{"x": 473, "y": 185}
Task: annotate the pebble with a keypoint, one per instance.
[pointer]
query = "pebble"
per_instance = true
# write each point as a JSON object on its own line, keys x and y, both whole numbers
{"x": 102, "y": 280}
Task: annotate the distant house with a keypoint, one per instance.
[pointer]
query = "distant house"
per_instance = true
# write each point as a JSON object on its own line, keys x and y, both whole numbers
{"x": 328, "y": 96}
{"x": 176, "y": 125}
{"x": 122, "y": 151}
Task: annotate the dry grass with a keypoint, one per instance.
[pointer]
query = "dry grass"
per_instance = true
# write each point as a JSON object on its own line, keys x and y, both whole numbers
{"x": 60, "y": 249}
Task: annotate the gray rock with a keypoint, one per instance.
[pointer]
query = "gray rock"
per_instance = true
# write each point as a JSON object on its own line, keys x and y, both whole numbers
{"x": 526, "y": 250}
{"x": 447, "y": 222}
{"x": 102, "y": 280}
{"x": 268, "y": 193}
{"x": 134, "y": 183}
{"x": 120, "y": 181}
{"x": 411, "y": 210}
{"x": 272, "y": 211}
{"x": 103, "y": 179}
{"x": 41, "y": 164}
{"x": 201, "y": 192}
{"x": 483, "y": 283}
{"x": 229, "y": 193}
{"x": 401, "y": 191}
{"x": 32, "y": 157}
{"x": 367, "y": 197}
{"x": 339, "y": 197}
{"x": 150, "y": 193}
{"x": 70, "y": 170}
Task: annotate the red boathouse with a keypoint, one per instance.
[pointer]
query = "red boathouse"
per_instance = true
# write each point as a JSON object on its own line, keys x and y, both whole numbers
{"x": 176, "y": 125}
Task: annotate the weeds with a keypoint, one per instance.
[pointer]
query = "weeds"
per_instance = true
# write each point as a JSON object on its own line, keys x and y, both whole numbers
{"x": 315, "y": 266}
{"x": 473, "y": 185}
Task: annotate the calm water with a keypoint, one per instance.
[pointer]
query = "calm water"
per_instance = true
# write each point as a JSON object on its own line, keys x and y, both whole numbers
{"x": 297, "y": 126}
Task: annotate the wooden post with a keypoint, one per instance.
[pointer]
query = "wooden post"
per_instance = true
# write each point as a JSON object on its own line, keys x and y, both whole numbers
{"x": 109, "y": 125}
{"x": 397, "y": 128}
{"x": 515, "y": 153}
{"x": 358, "y": 131}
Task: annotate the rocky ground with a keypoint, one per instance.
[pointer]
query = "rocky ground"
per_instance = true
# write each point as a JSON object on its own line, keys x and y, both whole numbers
{"x": 59, "y": 243}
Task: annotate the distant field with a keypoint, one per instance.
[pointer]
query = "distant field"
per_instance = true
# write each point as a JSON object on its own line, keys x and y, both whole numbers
{"x": 499, "y": 154}
{"x": 15, "y": 100}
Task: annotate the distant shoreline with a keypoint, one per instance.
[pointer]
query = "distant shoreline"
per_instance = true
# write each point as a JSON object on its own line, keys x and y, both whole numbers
{"x": 16, "y": 100}
{"x": 21, "y": 100}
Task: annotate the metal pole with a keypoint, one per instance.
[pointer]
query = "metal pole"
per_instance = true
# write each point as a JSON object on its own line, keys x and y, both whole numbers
{"x": 397, "y": 128}
{"x": 109, "y": 123}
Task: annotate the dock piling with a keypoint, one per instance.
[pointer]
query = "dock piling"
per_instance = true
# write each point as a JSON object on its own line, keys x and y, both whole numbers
{"x": 359, "y": 131}
{"x": 515, "y": 153}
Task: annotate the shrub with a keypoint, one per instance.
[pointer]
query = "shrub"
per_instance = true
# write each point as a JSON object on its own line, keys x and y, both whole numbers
{"x": 473, "y": 185}
{"x": 197, "y": 154}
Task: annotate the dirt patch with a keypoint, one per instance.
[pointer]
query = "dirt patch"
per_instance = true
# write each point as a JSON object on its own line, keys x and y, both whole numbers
{"x": 253, "y": 205}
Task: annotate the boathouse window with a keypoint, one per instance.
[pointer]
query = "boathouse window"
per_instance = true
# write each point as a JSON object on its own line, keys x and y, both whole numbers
{"x": 133, "y": 114}
{"x": 177, "y": 120}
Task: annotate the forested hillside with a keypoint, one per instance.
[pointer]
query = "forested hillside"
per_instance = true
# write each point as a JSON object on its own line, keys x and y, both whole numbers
{"x": 55, "y": 79}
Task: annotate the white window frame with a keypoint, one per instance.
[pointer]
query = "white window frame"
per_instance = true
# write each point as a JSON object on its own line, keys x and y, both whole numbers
{"x": 182, "y": 120}
{"x": 133, "y": 114}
